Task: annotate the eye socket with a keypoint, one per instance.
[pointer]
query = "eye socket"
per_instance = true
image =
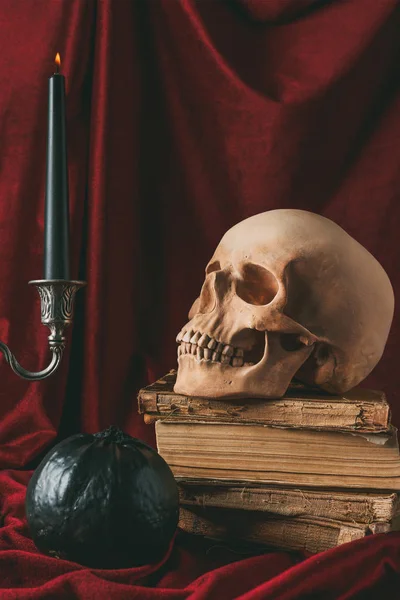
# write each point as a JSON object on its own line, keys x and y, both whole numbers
{"x": 207, "y": 294}
{"x": 214, "y": 266}
{"x": 258, "y": 286}
{"x": 207, "y": 297}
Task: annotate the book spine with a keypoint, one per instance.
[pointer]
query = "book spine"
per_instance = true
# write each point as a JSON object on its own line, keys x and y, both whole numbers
{"x": 285, "y": 533}
{"x": 293, "y": 503}
{"x": 329, "y": 415}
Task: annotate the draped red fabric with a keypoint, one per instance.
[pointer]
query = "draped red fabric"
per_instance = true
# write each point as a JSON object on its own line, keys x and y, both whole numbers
{"x": 184, "y": 117}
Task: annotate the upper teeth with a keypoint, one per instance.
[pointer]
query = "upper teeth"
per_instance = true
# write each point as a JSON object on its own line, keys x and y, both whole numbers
{"x": 204, "y": 347}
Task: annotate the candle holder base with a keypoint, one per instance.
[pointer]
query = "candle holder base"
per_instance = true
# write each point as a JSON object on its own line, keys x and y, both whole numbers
{"x": 57, "y": 297}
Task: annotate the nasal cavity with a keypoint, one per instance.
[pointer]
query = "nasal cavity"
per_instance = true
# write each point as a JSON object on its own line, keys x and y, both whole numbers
{"x": 257, "y": 285}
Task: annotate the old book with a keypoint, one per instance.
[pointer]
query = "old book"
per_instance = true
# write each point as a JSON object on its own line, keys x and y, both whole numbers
{"x": 289, "y": 533}
{"x": 357, "y": 507}
{"x": 357, "y": 410}
{"x": 285, "y": 457}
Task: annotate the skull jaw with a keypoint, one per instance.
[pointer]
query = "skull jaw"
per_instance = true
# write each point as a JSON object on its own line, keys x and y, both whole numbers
{"x": 269, "y": 378}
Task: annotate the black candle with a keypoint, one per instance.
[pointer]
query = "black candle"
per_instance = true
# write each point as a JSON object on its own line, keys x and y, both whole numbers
{"x": 56, "y": 227}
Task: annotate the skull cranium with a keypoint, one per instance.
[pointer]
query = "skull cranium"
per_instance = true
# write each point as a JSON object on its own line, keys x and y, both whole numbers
{"x": 287, "y": 292}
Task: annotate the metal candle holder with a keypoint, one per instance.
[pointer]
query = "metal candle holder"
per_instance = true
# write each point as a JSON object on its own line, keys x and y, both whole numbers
{"x": 57, "y": 297}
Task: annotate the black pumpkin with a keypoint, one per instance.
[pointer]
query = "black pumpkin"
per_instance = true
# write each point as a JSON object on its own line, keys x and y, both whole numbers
{"x": 106, "y": 500}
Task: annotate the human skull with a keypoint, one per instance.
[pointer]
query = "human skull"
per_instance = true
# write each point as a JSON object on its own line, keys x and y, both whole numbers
{"x": 287, "y": 292}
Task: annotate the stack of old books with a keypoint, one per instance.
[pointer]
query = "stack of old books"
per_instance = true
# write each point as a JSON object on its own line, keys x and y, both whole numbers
{"x": 308, "y": 471}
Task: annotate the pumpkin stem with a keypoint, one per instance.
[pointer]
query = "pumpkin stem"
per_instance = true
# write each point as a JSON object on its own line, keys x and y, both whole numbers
{"x": 113, "y": 434}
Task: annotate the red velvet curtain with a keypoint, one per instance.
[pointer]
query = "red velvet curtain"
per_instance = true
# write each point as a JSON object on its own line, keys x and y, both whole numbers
{"x": 184, "y": 117}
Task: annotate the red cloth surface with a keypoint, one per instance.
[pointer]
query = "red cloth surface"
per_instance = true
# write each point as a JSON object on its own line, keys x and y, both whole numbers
{"x": 184, "y": 117}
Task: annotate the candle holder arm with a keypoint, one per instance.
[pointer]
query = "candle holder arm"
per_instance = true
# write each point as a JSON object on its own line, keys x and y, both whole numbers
{"x": 57, "y": 298}
{"x": 30, "y": 375}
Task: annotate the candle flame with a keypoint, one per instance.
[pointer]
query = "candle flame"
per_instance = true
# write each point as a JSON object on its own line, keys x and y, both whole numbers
{"x": 57, "y": 59}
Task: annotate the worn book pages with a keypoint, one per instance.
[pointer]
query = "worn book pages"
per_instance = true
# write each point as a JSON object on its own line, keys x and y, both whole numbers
{"x": 358, "y": 507}
{"x": 357, "y": 410}
{"x": 270, "y": 455}
{"x": 288, "y": 533}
